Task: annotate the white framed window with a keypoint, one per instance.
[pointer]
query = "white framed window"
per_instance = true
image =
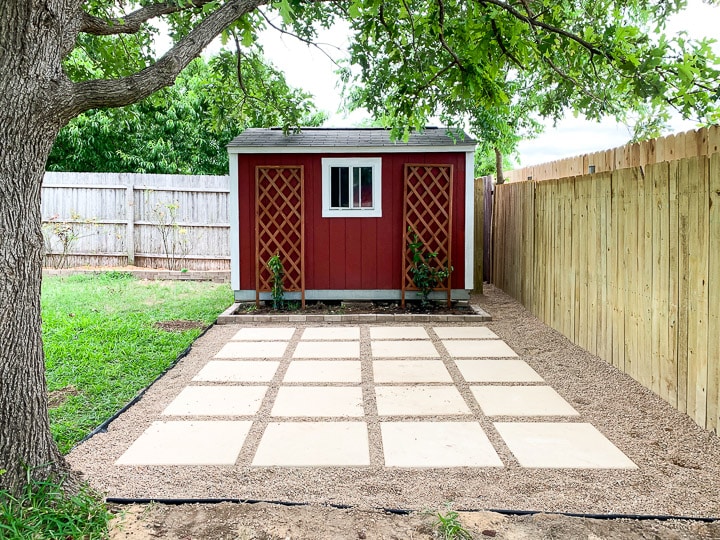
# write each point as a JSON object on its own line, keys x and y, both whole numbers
{"x": 351, "y": 187}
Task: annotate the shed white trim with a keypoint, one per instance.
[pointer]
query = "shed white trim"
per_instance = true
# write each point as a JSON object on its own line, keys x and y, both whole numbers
{"x": 399, "y": 149}
{"x": 234, "y": 224}
{"x": 469, "y": 219}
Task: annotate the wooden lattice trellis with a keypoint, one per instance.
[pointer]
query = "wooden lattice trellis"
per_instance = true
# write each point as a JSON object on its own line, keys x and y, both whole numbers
{"x": 280, "y": 227}
{"x": 428, "y": 213}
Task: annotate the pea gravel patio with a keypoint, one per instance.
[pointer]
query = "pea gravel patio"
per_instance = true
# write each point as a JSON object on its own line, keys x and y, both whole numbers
{"x": 503, "y": 414}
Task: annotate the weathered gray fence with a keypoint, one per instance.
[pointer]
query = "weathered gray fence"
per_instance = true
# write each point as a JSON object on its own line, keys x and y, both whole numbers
{"x": 148, "y": 220}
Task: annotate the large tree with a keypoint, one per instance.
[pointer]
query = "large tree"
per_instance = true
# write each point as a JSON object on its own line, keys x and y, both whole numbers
{"x": 183, "y": 129}
{"x": 414, "y": 58}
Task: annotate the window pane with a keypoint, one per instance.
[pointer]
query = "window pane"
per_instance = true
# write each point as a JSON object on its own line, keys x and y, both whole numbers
{"x": 366, "y": 187}
{"x": 339, "y": 187}
{"x": 344, "y": 187}
{"x": 356, "y": 187}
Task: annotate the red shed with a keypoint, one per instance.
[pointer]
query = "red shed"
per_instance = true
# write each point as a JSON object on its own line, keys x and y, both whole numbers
{"x": 336, "y": 204}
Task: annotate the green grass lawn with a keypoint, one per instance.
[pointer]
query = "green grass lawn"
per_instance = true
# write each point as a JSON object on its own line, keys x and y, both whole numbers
{"x": 101, "y": 346}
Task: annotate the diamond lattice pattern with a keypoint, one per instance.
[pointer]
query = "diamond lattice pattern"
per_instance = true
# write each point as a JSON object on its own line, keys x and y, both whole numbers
{"x": 279, "y": 226}
{"x": 428, "y": 213}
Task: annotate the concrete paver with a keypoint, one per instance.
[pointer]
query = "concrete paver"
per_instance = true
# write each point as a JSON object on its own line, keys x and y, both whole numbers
{"x": 253, "y": 349}
{"x": 497, "y": 371}
{"x": 327, "y": 349}
{"x": 217, "y": 401}
{"x": 437, "y": 444}
{"x": 323, "y": 371}
{"x": 404, "y": 349}
{"x": 398, "y": 332}
{"x": 216, "y": 442}
{"x": 265, "y": 334}
{"x": 314, "y": 444}
{"x": 410, "y": 371}
{"x": 464, "y": 332}
{"x": 489, "y": 348}
{"x": 521, "y": 401}
{"x": 312, "y": 401}
{"x": 327, "y": 400}
{"x": 561, "y": 445}
{"x": 420, "y": 401}
{"x": 331, "y": 333}
{"x": 237, "y": 371}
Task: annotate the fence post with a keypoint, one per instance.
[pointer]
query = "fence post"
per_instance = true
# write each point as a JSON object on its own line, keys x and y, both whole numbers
{"x": 130, "y": 231}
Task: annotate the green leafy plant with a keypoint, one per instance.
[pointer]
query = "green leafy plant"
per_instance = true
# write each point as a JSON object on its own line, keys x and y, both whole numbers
{"x": 278, "y": 293}
{"x": 45, "y": 509}
{"x": 425, "y": 274}
{"x": 449, "y": 527}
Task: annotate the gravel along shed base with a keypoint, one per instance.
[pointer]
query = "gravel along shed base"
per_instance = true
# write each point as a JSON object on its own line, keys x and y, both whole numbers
{"x": 677, "y": 463}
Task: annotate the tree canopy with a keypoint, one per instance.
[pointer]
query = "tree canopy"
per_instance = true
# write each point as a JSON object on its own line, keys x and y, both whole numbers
{"x": 489, "y": 64}
{"x": 183, "y": 129}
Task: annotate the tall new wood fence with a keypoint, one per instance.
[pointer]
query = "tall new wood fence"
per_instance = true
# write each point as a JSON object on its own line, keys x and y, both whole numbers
{"x": 626, "y": 264}
{"x": 149, "y": 220}
{"x": 701, "y": 142}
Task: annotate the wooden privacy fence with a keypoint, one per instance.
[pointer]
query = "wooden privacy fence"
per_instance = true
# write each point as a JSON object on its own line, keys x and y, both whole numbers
{"x": 149, "y": 220}
{"x": 701, "y": 142}
{"x": 626, "y": 264}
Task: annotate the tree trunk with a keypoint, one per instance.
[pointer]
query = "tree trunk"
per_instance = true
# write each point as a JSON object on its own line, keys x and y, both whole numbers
{"x": 499, "y": 176}
{"x": 30, "y": 54}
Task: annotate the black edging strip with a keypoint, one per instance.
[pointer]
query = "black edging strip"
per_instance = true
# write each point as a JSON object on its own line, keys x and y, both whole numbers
{"x": 404, "y": 512}
{"x": 102, "y": 428}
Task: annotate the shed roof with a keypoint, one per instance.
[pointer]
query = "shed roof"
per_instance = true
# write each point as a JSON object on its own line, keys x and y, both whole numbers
{"x": 349, "y": 139}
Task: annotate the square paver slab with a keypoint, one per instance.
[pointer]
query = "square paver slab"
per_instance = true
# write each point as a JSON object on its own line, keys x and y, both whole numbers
{"x": 331, "y": 333}
{"x": 437, "y": 444}
{"x": 487, "y": 348}
{"x": 521, "y": 401}
{"x": 403, "y": 349}
{"x": 561, "y": 445}
{"x": 464, "y": 332}
{"x": 327, "y": 349}
{"x": 398, "y": 332}
{"x": 237, "y": 371}
{"x": 419, "y": 401}
{"x": 318, "y": 371}
{"x": 253, "y": 349}
{"x": 497, "y": 371}
{"x": 313, "y": 444}
{"x": 311, "y": 401}
{"x": 265, "y": 334}
{"x": 215, "y": 442}
{"x": 217, "y": 401}
{"x": 410, "y": 371}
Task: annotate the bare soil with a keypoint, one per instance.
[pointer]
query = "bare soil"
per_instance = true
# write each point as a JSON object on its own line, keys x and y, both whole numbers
{"x": 274, "y": 522}
{"x": 347, "y": 308}
{"x": 178, "y": 325}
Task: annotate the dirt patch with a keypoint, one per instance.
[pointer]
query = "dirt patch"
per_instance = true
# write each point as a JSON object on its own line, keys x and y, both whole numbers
{"x": 178, "y": 325}
{"x": 356, "y": 308}
{"x": 58, "y": 397}
{"x": 274, "y": 522}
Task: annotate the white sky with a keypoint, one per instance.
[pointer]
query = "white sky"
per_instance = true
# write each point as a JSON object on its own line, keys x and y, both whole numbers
{"x": 307, "y": 68}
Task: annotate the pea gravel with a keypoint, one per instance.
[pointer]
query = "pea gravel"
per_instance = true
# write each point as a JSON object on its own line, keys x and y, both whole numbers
{"x": 678, "y": 462}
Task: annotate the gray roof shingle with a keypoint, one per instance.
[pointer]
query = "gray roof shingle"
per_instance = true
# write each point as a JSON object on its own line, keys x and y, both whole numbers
{"x": 349, "y": 137}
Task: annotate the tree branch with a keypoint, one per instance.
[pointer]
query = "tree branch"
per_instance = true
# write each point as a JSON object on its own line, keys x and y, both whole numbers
{"x": 501, "y": 44}
{"x": 132, "y": 22}
{"x": 300, "y": 38}
{"x": 127, "y": 90}
{"x": 533, "y": 22}
{"x": 441, "y": 36}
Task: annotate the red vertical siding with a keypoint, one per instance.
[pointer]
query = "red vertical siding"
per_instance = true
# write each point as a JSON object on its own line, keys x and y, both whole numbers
{"x": 350, "y": 253}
